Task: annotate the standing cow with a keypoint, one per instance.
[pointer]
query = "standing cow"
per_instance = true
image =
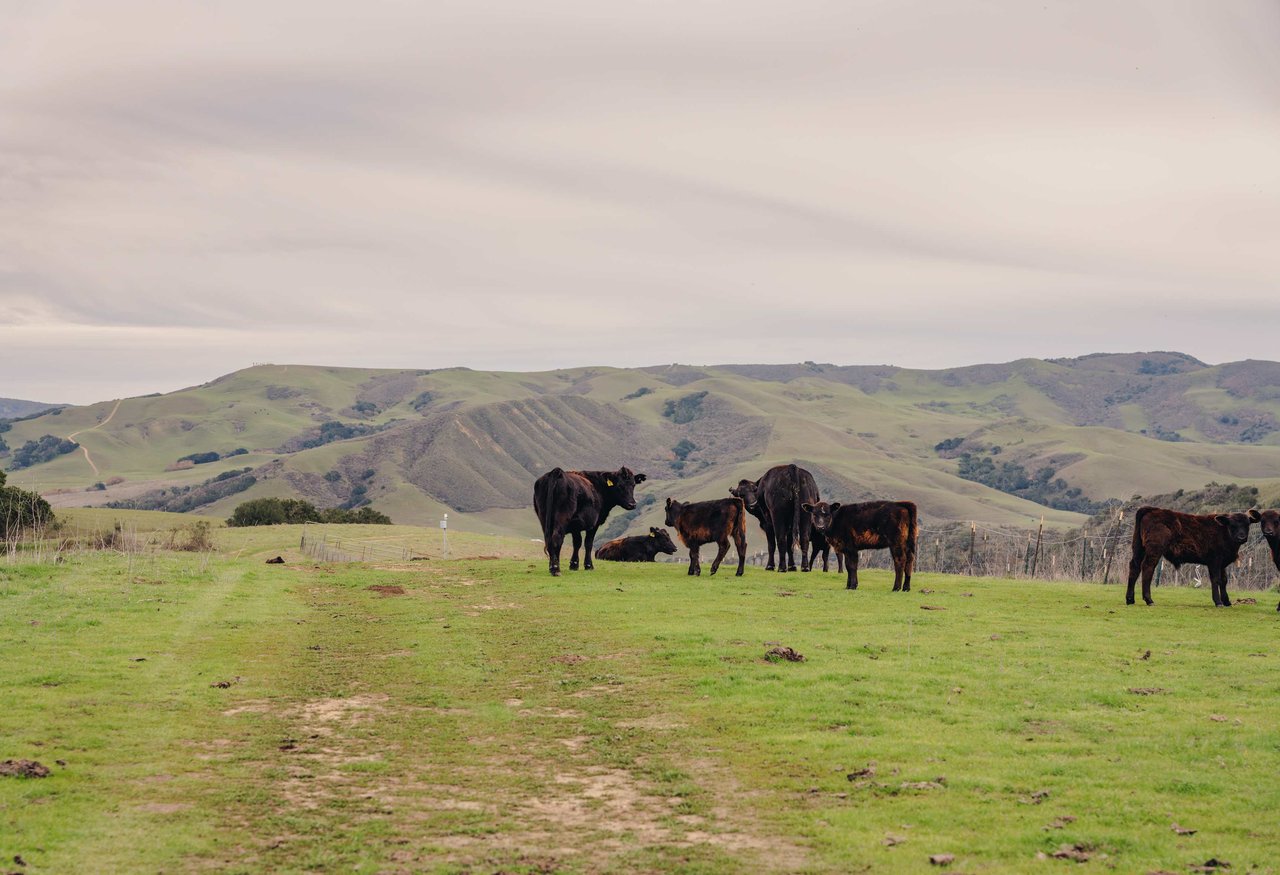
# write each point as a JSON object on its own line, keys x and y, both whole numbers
{"x": 1212, "y": 540}
{"x": 577, "y": 502}
{"x": 640, "y": 548}
{"x": 708, "y": 522}
{"x": 871, "y": 525}
{"x": 1269, "y": 522}
{"x": 775, "y": 500}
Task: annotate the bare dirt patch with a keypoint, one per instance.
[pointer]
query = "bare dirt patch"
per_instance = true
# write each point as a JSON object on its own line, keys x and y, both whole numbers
{"x": 385, "y": 590}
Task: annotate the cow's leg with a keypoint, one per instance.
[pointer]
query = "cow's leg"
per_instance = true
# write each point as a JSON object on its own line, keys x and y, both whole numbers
{"x": 896, "y": 555}
{"x": 694, "y": 566}
{"x": 839, "y": 562}
{"x": 740, "y": 542}
{"x": 554, "y": 543}
{"x": 791, "y": 550}
{"x": 806, "y": 561}
{"x": 577, "y": 545}
{"x": 851, "y": 564}
{"x": 783, "y": 539}
{"x": 1218, "y": 580}
{"x": 1149, "y": 564}
{"x": 1135, "y": 568}
{"x": 769, "y": 539}
{"x": 586, "y": 557}
{"x": 723, "y": 544}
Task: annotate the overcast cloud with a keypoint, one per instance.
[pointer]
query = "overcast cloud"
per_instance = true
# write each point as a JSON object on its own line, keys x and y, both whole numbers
{"x": 190, "y": 187}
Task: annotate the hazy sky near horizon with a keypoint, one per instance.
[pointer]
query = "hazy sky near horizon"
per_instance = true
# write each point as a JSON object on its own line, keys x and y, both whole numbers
{"x": 190, "y": 187}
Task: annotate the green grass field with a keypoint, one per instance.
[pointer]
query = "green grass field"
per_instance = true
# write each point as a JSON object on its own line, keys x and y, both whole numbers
{"x": 475, "y": 715}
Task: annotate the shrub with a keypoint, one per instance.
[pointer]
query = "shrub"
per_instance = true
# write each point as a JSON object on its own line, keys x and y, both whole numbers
{"x": 200, "y": 458}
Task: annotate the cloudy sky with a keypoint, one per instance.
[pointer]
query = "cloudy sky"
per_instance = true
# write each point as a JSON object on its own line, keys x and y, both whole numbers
{"x": 190, "y": 187}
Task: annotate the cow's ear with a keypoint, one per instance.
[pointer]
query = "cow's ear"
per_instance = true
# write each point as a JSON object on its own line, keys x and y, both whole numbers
{"x": 806, "y": 507}
{"x": 668, "y": 501}
{"x": 640, "y": 478}
{"x": 733, "y": 490}
{"x": 834, "y": 506}
{"x": 1254, "y": 515}
{"x": 1222, "y": 519}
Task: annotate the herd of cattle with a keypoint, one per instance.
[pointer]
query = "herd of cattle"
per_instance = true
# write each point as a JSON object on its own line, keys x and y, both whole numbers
{"x": 785, "y": 501}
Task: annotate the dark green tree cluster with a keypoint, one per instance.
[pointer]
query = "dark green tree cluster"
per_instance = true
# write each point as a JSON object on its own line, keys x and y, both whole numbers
{"x": 1041, "y": 487}
{"x": 21, "y": 510}
{"x": 183, "y": 499}
{"x": 685, "y": 409}
{"x": 335, "y": 431}
{"x": 47, "y": 448}
{"x": 278, "y": 511}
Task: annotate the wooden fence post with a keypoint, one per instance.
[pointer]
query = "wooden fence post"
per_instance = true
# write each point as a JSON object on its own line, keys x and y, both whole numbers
{"x": 973, "y": 536}
{"x": 1035, "y": 562}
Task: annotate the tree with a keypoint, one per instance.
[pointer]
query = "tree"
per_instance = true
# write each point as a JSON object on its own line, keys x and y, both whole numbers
{"x": 20, "y": 509}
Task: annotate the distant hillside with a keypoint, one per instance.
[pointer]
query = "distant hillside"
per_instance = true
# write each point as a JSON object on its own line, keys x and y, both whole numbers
{"x": 998, "y": 443}
{"x": 11, "y": 408}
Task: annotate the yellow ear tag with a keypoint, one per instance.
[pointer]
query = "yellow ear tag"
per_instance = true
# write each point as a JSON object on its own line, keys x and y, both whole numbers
{"x": 652, "y": 535}
{"x": 608, "y": 482}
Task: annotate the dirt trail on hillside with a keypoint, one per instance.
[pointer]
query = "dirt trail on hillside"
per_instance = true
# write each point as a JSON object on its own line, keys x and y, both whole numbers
{"x": 88, "y": 458}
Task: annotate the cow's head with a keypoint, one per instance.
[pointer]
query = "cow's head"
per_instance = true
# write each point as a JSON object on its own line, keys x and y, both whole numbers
{"x": 749, "y": 493}
{"x": 1269, "y": 520}
{"x": 673, "y": 511}
{"x": 662, "y": 541}
{"x": 821, "y": 513}
{"x": 621, "y": 487}
{"x": 1236, "y": 524}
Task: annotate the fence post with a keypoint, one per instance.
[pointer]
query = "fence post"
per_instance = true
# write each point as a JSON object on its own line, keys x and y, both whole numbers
{"x": 1035, "y": 562}
{"x": 1159, "y": 570}
{"x": 973, "y": 536}
{"x": 1026, "y": 558}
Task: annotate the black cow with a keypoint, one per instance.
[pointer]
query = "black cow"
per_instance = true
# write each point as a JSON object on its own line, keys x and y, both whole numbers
{"x": 707, "y": 522}
{"x": 871, "y": 525}
{"x": 775, "y": 501}
{"x": 640, "y": 548}
{"x": 574, "y": 502}
{"x": 1212, "y": 540}
{"x": 1269, "y": 522}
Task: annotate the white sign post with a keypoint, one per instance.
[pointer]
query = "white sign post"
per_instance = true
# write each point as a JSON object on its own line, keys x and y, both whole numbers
{"x": 444, "y": 534}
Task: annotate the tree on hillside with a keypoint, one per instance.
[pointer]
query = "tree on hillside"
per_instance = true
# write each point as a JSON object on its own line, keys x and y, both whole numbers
{"x": 48, "y": 447}
{"x": 20, "y": 510}
{"x": 278, "y": 511}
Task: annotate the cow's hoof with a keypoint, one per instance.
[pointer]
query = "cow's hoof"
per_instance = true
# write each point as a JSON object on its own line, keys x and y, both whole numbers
{"x": 1149, "y": 602}
{"x": 588, "y": 568}
{"x": 738, "y": 573}
{"x": 555, "y": 572}
{"x": 1130, "y": 601}
{"x": 907, "y": 588}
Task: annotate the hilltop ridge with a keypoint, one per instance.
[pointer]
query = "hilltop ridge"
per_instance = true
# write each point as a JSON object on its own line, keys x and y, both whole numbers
{"x": 418, "y": 443}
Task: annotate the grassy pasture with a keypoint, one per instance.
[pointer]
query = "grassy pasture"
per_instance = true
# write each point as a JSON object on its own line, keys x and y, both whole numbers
{"x": 490, "y": 718}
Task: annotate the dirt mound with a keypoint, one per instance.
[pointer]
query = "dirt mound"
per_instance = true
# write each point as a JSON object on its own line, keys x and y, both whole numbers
{"x": 23, "y": 769}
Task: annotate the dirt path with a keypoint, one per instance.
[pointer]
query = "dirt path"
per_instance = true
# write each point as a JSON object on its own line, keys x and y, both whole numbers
{"x": 88, "y": 458}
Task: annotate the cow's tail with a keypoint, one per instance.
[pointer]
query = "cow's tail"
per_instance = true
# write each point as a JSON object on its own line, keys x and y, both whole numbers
{"x": 913, "y": 527}
{"x": 1137, "y": 547}
{"x": 545, "y": 491}
{"x": 795, "y": 502}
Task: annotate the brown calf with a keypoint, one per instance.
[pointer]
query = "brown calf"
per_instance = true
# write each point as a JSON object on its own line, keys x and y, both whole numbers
{"x": 1212, "y": 540}
{"x": 707, "y": 522}
{"x": 871, "y": 525}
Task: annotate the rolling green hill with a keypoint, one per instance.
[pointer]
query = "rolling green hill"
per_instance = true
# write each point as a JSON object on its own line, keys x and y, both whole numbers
{"x": 422, "y": 443}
